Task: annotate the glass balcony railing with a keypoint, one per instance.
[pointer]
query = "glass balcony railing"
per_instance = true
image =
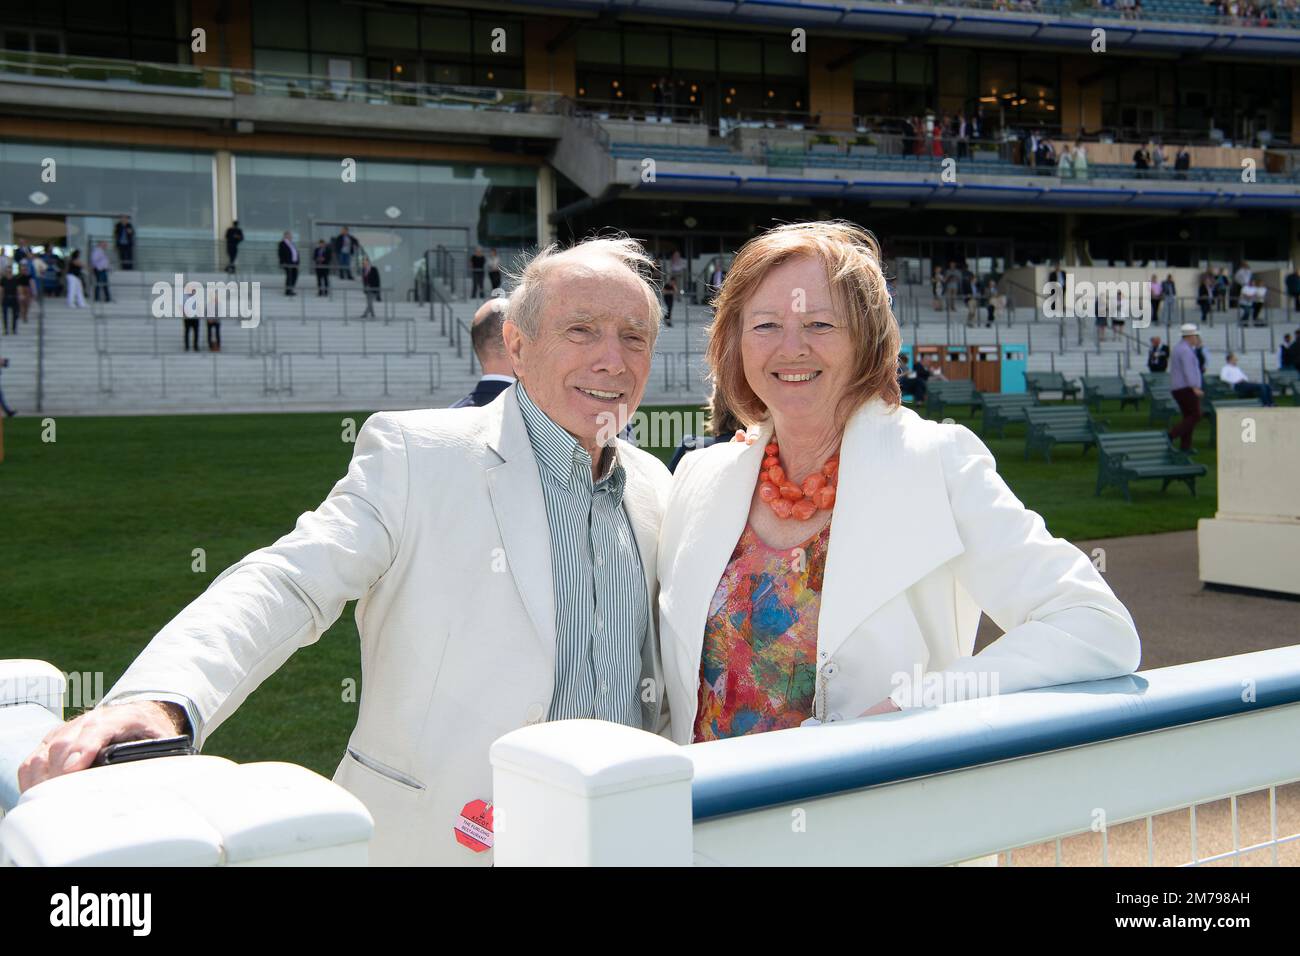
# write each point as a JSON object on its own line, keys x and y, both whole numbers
{"x": 268, "y": 83}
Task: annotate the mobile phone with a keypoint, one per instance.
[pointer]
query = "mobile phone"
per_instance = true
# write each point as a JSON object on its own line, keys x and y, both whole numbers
{"x": 130, "y": 750}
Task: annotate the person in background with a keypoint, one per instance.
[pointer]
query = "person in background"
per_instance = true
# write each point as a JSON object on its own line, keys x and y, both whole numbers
{"x": 1234, "y": 376}
{"x": 345, "y": 247}
{"x": 213, "y": 324}
{"x": 1157, "y": 296}
{"x": 1283, "y": 352}
{"x": 677, "y": 270}
{"x": 936, "y": 287}
{"x": 1065, "y": 167}
{"x": 1293, "y": 352}
{"x": 370, "y": 284}
{"x": 1293, "y": 289}
{"x": 1185, "y": 385}
{"x": 1182, "y": 162}
{"x": 716, "y": 276}
{"x": 1221, "y": 285}
{"x": 1141, "y": 161}
{"x": 477, "y": 262}
{"x": 28, "y": 290}
{"x": 124, "y": 240}
{"x": 490, "y": 350}
{"x": 1170, "y": 293}
{"x": 670, "y": 293}
{"x": 1158, "y": 356}
{"x": 289, "y": 259}
{"x": 1205, "y": 296}
{"x": 991, "y": 299}
{"x": 721, "y": 425}
{"x": 4, "y": 406}
{"x": 493, "y": 270}
{"x": 1080, "y": 160}
{"x": 190, "y": 319}
{"x": 9, "y": 285}
{"x": 74, "y": 281}
{"x": 234, "y": 236}
{"x": 321, "y": 257}
{"x": 99, "y": 264}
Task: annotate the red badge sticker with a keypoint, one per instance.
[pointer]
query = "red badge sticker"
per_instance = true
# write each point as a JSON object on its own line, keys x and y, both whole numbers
{"x": 474, "y": 828}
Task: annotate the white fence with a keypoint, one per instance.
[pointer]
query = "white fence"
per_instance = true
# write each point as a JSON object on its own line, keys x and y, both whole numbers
{"x": 1188, "y": 765}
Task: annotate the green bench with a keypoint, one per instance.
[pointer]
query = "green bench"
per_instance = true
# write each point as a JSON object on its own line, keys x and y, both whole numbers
{"x": 1152, "y": 380}
{"x": 1097, "y": 389}
{"x": 1051, "y": 425}
{"x": 958, "y": 392}
{"x": 1133, "y": 456}
{"x": 1217, "y": 388}
{"x": 1163, "y": 408}
{"x": 1004, "y": 408}
{"x": 1284, "y": 381}
{"x": 1212, "y": 405}
{"x": 1038, "y": 382}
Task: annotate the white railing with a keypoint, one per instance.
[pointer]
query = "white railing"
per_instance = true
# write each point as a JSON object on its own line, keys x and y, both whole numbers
{"x": 1186, "y": 765}
{"x": 174, "y": 811}
{"x": 1183, "y": 765}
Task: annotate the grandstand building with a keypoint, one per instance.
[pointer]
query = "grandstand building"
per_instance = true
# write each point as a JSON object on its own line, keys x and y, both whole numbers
{"x": 430, "y": 129}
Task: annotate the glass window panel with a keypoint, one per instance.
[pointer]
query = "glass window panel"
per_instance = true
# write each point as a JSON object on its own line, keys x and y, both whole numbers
{"x": 875, "y": 67}
{"x": 649, "y": 49}
{"x": 336, "y": 27}
{"x": 780, "y": 60}
{"x": 598, "y": 46}
{"x": 446, "y": 34}
{"x": 159, "y": 51}
{"x": 281, "y": 24}
{"x": 913, "y": 69}
{"x": 169, "y": 194}
{"x": 101, "y": 15}
{"x": 149, "y": 18}
{"x": 391, "y": 30}
{"x": 281, "y": 61}
{"x": 740, "y": 57}
{"x": 694, "y": 53}
{"x": 99, "y": 44}
{"x": 952, "y": 72}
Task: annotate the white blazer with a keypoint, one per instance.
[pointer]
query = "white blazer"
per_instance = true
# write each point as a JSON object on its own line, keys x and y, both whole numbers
{"x": 924, "y": 536}
{"x": 440, "y": 529}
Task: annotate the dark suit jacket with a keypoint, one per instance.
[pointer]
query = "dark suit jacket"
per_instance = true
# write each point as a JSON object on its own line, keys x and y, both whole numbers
{"x": 485, "y": 392}
{"x": 287, "y": 255}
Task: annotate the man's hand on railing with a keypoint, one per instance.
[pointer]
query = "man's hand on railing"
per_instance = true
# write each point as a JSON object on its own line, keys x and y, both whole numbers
{"x": 74, "y": 745}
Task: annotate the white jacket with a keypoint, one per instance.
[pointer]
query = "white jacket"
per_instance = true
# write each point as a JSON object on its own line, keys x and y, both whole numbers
{"x": 925, "y": 535}
{"x": 440, "y": 529}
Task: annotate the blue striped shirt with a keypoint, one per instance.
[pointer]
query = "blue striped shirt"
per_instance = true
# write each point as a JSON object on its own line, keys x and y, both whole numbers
{"x": 602, "y": 615}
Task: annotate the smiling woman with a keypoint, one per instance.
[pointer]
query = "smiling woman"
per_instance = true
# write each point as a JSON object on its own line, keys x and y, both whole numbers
{"x": 814, "y": 571}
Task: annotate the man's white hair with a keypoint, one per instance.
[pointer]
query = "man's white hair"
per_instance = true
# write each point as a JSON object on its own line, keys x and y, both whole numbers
{"x": 528, "y": 299}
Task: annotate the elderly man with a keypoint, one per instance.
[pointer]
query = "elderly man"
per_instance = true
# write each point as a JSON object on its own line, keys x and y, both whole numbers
{"x": 1185, "y": 385}
{"x": 504, "y": 558}
{"x": 1232, "y": 374}
{"x": 490, "y": 349}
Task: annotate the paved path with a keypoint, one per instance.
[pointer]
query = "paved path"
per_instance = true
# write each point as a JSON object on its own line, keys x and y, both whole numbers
{"x": 1180, "y": 620}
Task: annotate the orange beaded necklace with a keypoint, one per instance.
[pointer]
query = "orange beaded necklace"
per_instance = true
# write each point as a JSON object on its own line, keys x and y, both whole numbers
{"x": 789, "y": 500}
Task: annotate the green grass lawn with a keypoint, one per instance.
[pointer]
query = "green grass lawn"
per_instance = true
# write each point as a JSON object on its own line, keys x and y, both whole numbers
{"x": 99, "y": 527}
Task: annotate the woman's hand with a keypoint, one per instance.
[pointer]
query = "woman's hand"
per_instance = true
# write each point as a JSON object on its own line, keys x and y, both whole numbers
{"x": 884, "y": 707}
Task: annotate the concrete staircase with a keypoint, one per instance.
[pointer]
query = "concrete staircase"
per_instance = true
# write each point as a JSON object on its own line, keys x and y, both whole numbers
{"x": 314, "y": 353}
